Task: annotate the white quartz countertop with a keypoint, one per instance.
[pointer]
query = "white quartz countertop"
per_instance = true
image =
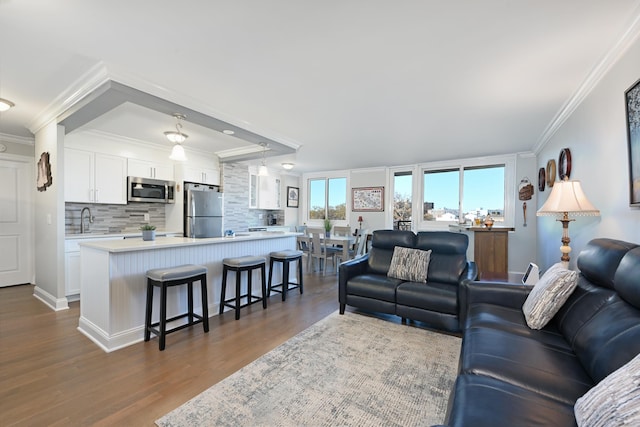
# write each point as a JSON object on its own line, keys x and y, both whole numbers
{"x": 132, "y": 234}
{"x": 130, "y": 245}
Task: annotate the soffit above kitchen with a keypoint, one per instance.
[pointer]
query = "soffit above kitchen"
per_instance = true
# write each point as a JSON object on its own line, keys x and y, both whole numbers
{"x": 120, "y": 110}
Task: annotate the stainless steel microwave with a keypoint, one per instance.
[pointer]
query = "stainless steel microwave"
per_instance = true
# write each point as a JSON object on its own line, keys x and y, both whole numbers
{"x": 150, "y": 190}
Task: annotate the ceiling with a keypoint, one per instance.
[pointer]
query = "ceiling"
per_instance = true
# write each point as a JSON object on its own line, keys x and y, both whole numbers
{"x": 346, "y": 84}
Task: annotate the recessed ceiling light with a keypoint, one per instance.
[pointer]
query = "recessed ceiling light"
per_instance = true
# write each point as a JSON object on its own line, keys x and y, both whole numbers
{"x": 5, "y": 104}
{"x": 287, "y": 166}
{"x": 228, "y": 132}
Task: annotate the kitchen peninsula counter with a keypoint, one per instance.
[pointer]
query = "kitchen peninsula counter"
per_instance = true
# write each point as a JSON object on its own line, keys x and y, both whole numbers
{"x": 113, "y": 278}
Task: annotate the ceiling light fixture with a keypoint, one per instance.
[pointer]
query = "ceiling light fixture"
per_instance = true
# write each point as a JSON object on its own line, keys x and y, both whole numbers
{"x": 262, "y": 170}
{"x": 228, "y": 132}
{"x": 177, "y": 137}
{"x": 288, "y": 166}
{"x": 5, "y": 104}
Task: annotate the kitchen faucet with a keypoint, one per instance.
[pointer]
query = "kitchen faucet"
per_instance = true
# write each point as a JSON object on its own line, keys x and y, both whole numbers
{"x": 82, "y": 218}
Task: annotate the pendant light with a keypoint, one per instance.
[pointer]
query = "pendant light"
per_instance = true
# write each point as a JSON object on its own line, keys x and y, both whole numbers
{"x": 262, "y": 170}
{"x": 177, "y": 137}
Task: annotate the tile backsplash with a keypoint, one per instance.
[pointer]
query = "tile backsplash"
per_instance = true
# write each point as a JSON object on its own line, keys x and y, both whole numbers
{"x": 237, "y": 215}
{"x": 113, "y": 218}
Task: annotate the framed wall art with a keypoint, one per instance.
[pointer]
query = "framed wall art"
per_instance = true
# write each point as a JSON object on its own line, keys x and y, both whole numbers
{"x": 367, "y": 199}
{"x": 632, "y": 98}
{"x": 293, "y": 197}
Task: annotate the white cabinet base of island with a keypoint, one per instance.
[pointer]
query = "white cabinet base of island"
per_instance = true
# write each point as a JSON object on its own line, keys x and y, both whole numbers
{"x": 113, "y": 279}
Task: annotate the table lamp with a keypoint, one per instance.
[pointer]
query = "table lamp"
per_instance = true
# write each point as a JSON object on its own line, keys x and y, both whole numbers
{"x": 567, "y": 198}
{"x": 360, "y": 221}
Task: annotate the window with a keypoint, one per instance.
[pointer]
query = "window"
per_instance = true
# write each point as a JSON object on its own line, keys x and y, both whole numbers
{"x": 402, "y": 195}
{"x": 328, "y": 198}
{"x": 465, "y": 192}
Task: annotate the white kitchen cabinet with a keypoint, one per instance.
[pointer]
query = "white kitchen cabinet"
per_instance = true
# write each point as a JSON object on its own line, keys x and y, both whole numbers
{"x": 72, "y": 264}
{"x": 94, "y": 177}
{"x": 147, "y": 169}
{"x": 264, "y": 192}
{"x": 202, "y": 175}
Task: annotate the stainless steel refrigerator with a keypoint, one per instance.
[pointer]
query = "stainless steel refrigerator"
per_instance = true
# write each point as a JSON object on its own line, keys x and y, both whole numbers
{"x": 203, "y": 211}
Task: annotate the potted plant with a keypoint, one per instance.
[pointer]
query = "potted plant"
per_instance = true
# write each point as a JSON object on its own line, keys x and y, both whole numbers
{"x": 327, "y": 227}
{"x": 148, "y": 232}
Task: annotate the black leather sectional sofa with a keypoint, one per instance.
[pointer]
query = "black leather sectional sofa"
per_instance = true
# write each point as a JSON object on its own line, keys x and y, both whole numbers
{"x": 511, "y": 375}
{"x": 363, "y": 282}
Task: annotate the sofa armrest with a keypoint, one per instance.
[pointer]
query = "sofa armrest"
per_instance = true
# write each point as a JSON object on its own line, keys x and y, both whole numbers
{"x": 511, "y": 295}
{"x": 347, "y": 270}
{"x": 471, "y": 272}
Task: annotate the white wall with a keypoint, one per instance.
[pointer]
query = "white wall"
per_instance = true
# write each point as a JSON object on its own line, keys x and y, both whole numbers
{"x": 596, "y": 135}
{"x": 292, "y": 216}
{"x": 49, "y": 221}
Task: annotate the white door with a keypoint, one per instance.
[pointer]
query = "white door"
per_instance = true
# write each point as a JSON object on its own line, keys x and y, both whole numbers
{"x": 15, "y": 223}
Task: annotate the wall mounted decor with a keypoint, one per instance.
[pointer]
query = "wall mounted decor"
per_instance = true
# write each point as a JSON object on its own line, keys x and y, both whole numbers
{"x": 293, "y": 197}
{"x": 551, "y": 173}
{"x": 44, "y": 173}
{"x": 367, "y": 199}
{"x": 542, "y": 179}
{"x": 632, "y": 98}
{"x": 564, "y": 164}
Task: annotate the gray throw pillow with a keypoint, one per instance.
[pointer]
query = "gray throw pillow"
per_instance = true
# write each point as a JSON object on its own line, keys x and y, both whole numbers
{"x": 409, "y": 264}
{"x": 548, "y": 295}
{"x": 614, "y": 401}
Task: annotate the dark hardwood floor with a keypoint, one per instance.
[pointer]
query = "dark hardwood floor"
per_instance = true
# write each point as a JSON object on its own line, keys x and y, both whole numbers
{"x": 51, "y": 374}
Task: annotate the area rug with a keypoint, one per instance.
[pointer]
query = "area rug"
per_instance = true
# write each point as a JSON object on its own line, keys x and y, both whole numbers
{"x": 346, "y": 370}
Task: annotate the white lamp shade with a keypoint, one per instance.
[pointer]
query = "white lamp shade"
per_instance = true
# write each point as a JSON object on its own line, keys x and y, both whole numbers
{"x": 177, "y": 153}
{"x": 567, "y": 196}
{"x": 263, "y": 171}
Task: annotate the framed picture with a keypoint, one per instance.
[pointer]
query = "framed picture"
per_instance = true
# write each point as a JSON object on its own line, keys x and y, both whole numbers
{"x": 632, "y": 98}
{"x": 293, "y": 197}
{"x": 367, "y": 199}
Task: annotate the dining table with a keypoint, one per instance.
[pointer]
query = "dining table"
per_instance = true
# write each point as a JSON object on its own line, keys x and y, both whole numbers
{"x": 345, "y": 241}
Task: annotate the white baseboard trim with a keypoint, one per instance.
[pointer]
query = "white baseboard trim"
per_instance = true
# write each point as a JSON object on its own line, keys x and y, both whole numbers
{"x": 54, "y": 303}
{"x": 112, "y": 342}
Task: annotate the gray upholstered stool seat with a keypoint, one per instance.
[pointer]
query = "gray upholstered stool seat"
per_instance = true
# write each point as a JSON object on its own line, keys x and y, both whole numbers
{"x": 285, "y": 257}
{"x": 174, "y": 276}
{"x": 176, "y": 273}
{"x": 238, "y": 265}
{"x": 244, "y": 261}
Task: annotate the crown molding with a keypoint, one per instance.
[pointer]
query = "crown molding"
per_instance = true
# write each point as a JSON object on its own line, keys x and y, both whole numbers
{"x": 83, "y": 86}
{"x": 5, "y": 137}
{"x": 591, "y": 81}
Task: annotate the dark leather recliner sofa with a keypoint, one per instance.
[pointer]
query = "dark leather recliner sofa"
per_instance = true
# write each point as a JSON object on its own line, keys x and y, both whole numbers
{"x": 363, "y": 282}
{"x": 511, "y": 375}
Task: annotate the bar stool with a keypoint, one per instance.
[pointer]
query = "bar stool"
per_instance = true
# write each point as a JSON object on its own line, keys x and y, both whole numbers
{"x": 175, "y": 276}
{"x": 240, "y": 264}
{"x": 285, "y": 257}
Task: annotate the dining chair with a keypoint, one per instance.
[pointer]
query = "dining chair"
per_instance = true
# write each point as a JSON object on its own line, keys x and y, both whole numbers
{"x": 341, "y": 230}
{"x": 319, "y": 249}
{"x": 304, "y": 244}
{"x": 361, "y": 248}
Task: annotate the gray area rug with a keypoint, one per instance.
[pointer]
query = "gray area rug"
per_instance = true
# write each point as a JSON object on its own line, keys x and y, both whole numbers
{"x": 349, "y": 370}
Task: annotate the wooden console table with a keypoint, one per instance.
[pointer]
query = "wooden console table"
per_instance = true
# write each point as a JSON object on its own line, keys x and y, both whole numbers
{"x": 491, "y": 252}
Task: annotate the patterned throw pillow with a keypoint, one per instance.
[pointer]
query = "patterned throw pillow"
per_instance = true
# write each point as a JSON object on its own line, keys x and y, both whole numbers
{"x": 615, "y": 401}
{"x": 409, "y": 264}
{"x": 548, "y": 295}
